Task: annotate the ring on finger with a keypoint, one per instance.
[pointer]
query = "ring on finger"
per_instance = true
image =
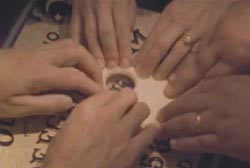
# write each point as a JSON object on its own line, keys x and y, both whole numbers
{"x": 187, "y": 40}
{"x": 197, "y": 124}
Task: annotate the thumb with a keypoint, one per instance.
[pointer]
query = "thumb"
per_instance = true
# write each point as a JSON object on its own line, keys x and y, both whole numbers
{"x": 23, "y": 106}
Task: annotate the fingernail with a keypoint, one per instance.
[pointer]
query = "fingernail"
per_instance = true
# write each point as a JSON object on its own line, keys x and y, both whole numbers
{"x": 173, "y": 144}
{"x": 68, "y": 103}
{"x": 125, "y": 63}
{"x": 162, "y": 115}
{"x": 160, "y": 119}
{"x": 172, "y": 77}
{"x": 169, "y": 91}
{"x": 111, "y": 64}
{"x": 101, "y": 63}
{"x": 140, "y": 72}
{"x": 158, "y": 76}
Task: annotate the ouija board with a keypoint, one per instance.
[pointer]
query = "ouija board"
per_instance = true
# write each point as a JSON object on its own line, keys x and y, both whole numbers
{"x": 23, "y": 142}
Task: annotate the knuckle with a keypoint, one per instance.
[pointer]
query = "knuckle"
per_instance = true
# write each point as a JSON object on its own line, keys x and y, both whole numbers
{"x": 180, "y": 49}
{"x": 161, "y": 44}
{"x": 68, "y": 42}
{"x": 89, "y": 29}
{"x": 112, "y": 56}
{"x": 80, "y": 50}
{"x": 105, "y": 32}
{"x": 181, "y": 26}
{"x": 77, "y": 78}
{"x": 37, "y": 81}
{"x": 182, "y": 126}
{"x": 129, "y": 93}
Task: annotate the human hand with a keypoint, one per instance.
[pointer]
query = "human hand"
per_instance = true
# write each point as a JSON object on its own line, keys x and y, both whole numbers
{"x": 25, "y": 74}
{"x": 213, "y": 117}
{"x": 227, "y": 51}
{"x": 103, "y": 131}
{"x": 169, "y": 53}
{"x": 106, "y": 27}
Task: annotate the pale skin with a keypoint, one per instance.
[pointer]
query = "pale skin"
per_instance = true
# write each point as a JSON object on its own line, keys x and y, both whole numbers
{"x": 121, "y": 114}
{"x": 106, "y": 127}
{"x": 103, "y": 131}
{"x": 63, "y": 65}
{"x": 104, "y": 27}
{"x": 166, "y": 56}
{"x": 223, "y": 106}
{"x": 225, "y": 52}
{"x": 221, "y": 102}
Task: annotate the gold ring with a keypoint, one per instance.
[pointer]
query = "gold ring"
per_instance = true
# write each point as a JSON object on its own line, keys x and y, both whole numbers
{"x": 187, "y": 40}
{"x": 197, "y": 124}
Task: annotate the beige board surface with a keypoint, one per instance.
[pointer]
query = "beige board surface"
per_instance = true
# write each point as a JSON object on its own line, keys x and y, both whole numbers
{"x": 27, "y": 139}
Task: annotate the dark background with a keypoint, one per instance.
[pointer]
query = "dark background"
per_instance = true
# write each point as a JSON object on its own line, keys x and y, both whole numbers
{"x": 11, "y": 9}
{"x": 9, "y": 12}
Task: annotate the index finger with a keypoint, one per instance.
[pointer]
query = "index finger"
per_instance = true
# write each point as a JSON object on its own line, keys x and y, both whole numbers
{"x": 101, "y": 99}
{"x": 123, "y": 30}
{"x": 66, "y": 79}
{"x": 184, "y": 104}
{"x": 161, "y": 39}
{"x": 208, "y": 143}
{"x": 72, "y": 54}
{"x": 126, "y": 99}
{"x": 141, "y": 141}
{"x": 107, "y": 36}
{"x": 91, "y": 67}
